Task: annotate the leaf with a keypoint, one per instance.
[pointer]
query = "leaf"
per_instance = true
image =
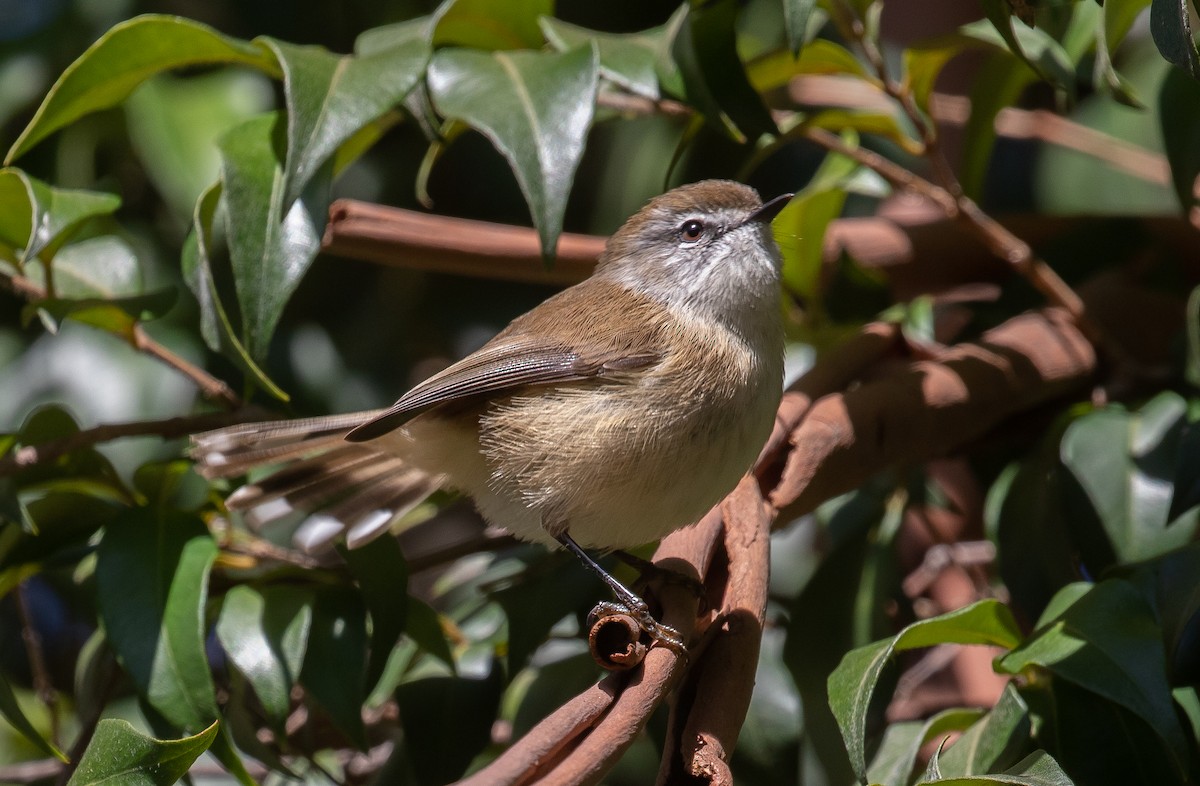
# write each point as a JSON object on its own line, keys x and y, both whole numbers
{"x": 998, "y": 83}
{"x": 196, "y": 267}
{"x": 423, "y": 626}
{"x": 1179, "y": 119}
{"x": 330, "y": 98}
{"x": 117, "y": 315}
{"x": 1171, "y": 29}
{"x": 993, "y": 742}
{"x": 36, "y": 217}
{"x": 630, "y": 60}
{"x": 485, "y": 24}
{"x": 271, "y": 243}
{"x": 447, "y": 722}
{"x": 335, "y": 663}
{"x": 897, "y": 755}
{"x": 105, "y": 266}
{"x": 119, "y": 753}
{"x": 775, "y": 70}
{"x": 124, "y": 57}
{"x": 1037, "y": 769}
{"x": 796, "y": 14}
{"x": 12, "y": 712}
{"x": 1126, "y": 464}
{"x": 265, "y": 633}
{"x": 159, "y": 566}
{"x": 381, "y": 572}
{"x": 923, "y": 64}
{"x": 1115, "y": 19}
{"x": 543, "y": 141}
{"x": 1032, "y": 46}
{"x": 853, "y": 681}
{"x": 1108, "y": 642}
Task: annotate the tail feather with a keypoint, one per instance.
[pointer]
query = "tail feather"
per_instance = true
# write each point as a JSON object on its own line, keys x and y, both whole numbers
{"x": 352, "y": 490}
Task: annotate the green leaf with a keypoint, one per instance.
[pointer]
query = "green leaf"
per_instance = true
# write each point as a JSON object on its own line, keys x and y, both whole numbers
{"x": 992, "y": 743}
{"x": 330, "y": 98}
{"x": 424, "y": 626}
{"x": 796, "y": 14}
{"x": 117, "y": 315}
{"x": 1126, "y": 464}
{"x": 124, "y": 57}
{"x": 1037, "y": 769}
{"x": 714, "y": 78}
{"x": 1032, "y": 46}
{"x": 998, "y": 83}
{"x": 159, "y": 566}
{"x": 897, "y": 754}
{"x": 1179, "y": 118}
{"x": 923, "y": 63}
{"x": 37, "y": 218}
{"x": 271, "y": 243}
{"x": 630, "y": 60}
{"x": 1171, "y": 29}
{"x": 196, "y": 266}
{"x": 485, "y": 24}
{"x": 853, "y": 681}
{"x": 1108, "y": 642}
{"x": 334, "y": 667}
{"x": 120, "y": 754}
{"x": 447, "y": 722}
{"x": 265, "y": 633}
{"x": 381, "y": 572}
{"x": 534, "y": 107}
{"x": 12, "y": 712}
{"x": 105, "y": 266}
{"x": 1115, "y": 20}
{"x": 800, "y": 227}
{"x": 774, "y": 70}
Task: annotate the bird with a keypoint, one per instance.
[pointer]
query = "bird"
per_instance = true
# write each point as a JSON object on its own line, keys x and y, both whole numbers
{"x": 617, "y": 411}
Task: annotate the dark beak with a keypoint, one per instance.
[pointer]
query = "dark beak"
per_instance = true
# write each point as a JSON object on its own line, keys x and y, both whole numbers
{"x": 768, "y": 211}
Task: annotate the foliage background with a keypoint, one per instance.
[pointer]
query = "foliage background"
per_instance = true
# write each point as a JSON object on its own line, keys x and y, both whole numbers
{"x": 1090, "y": 508}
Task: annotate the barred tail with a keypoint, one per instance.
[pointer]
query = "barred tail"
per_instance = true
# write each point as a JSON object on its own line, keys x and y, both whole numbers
{"x": 350, "y": 489}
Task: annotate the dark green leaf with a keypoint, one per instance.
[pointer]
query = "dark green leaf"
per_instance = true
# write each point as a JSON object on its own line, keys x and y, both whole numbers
{"x": 447, "y": 721}
{"x": 998, "y": 83}
{"x": 534, "y": 107}
{"x": 36, "y": 217}
{"x": 196, "y": 266}
{"x": 1037, "y": 769}
{"x": 116, "y": 315}
{"x": 485, "y": 24}
{"x": 334, "y": 668}
{"x": 630, "y": 60}
{"x": 1171, "y": 28}
{"x": 1179, "y": 117}
{"x": 1108, "y": 642}
{"x": 1033, "y": 46}
{"x": 330, "y": 98}
{"x": 796, "y": 14}
{"x": 120, "y": 754}
{"x": 893, "y": 763}
{"x": 423, "y": 626}
{"x": 994, "y": 742}
{"x": 381, "y": 572}
{"x": 853, "y": 681}
{"x": 265, "y": 633}
{"x": 271, "y": 244}
{"x": 124, "y": 57}
{"x": 12, "y": 712}
{"x": 159, "y": 567}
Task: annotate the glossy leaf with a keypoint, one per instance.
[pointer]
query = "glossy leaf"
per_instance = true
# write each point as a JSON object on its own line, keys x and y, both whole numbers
{"x": 330, "y": 98}
{"x": 119, "y": 753}
{"x": 335, "y": 663}
{"x": 36, "y": 217}
{"x": 1171, "y": 29}
{"x": 992, "y": 743}
{"x": 1179, "y": 118}
{"x": 271, "y": 243}
{"x": 265, "y": 633}
{"x": 534, "y": 107}
{"x": 1033, "y": 46}
{"x": 897, "y": 755}
{"x": 1126, "y": 463}
{"x": 105, "y": 266}
{"x": 196, "y": 265}
{"x": 796, "y": 15}
{"x": 11, "y": 711}
{"x": 853, "y": 681}
{"x": 484, "y": 24}
{"x": 1108, "y": 642}
{"x": 125, "y": 56}
{"x": 630, "y": 60}
{"x": 1037, "y": 769}
{"x": 381, "y": 572}
{"x": 159, "y": 566}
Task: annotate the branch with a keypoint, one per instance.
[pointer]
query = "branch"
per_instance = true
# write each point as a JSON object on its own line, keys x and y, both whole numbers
{"x": 210, "y": 387}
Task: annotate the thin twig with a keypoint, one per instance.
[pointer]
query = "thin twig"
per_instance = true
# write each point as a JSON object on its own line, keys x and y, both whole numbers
{"x": 30, "y": 455}
{"x": 210, "y": 387}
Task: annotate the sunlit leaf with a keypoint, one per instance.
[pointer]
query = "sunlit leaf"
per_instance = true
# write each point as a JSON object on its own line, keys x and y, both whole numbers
{"x": 119, "y": 753}
{"x": 12, "y": 712}
{"x": 1037, "y": 769}
{"x": 159, "y": 565}
{"x": 992, "y": 743}
{"x": 36, "y": 217}
{"x": 853, "y": 682}
{"x": 776, "y": 69}
{"x": 534, "y": 107}
{"x": 1033, "y": 46}
{"x": 114, "y": 315}
{"x": 923, "y": 63}
{"x": 630, "y": 60}
{"x": 125, "y": 56}
{"x": 897, "y": 755}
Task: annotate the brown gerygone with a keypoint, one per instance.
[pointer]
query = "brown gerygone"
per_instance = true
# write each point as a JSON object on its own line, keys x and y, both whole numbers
{"x": 617, "y": 411}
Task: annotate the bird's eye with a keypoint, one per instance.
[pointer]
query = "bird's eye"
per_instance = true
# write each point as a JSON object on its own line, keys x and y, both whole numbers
{"x": 691, "y": 231}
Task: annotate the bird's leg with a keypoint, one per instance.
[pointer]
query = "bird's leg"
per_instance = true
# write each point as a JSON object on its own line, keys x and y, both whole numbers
{"x": 627, "y": 602}
{"x": 665, "y": 575}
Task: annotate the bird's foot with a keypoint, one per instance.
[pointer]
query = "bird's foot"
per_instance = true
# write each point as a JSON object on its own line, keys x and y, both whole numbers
{"x": 639, "y": 612}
